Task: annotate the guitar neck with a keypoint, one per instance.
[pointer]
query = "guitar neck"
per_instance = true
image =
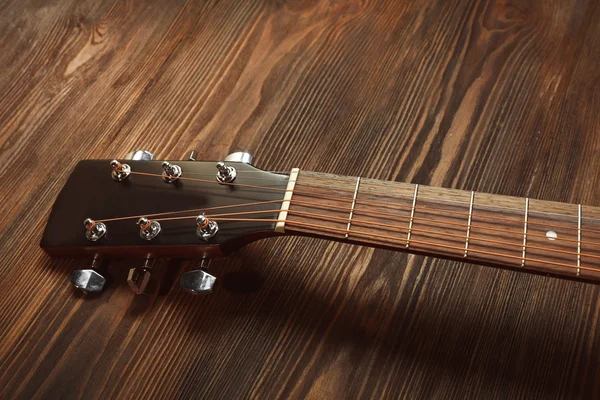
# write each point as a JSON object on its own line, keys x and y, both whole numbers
{"x": 509, "y": 232}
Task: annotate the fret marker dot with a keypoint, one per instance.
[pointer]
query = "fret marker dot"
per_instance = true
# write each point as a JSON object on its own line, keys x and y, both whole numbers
{"x": 551, "y": 235}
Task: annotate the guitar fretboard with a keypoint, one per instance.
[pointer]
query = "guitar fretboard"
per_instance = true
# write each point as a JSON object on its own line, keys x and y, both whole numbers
{"x": 533, "y": 235}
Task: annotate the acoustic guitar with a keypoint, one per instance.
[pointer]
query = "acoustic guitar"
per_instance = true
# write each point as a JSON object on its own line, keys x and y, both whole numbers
{"x": 136, "y": 207}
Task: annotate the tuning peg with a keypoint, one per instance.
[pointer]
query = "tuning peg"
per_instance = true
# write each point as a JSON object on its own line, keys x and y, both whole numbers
{"x": 240, "y": 156}
{"x": 139, "y": 278}
{"x": 139, "y": 155}
{"x": 198, "y": 281}
{"x": 89, "y": 280}
{"x": 225, "y": 173}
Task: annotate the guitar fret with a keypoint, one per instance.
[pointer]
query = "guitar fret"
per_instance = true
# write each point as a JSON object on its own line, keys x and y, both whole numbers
{"x": 352, "y": 208}
{"x": 469, "y": 224}
{"x": 578, "y": 240}
{"x": 525, "y": 232}
{"x": 412, "y": 216}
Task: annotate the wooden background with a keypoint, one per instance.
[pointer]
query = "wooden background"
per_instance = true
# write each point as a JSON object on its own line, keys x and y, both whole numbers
{"x": 495, "y": 96}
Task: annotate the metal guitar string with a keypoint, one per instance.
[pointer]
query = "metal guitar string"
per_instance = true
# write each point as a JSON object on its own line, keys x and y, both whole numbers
{"x": 217, "y": 217}
{"x": 394, "y": 238}
{"x": 462, "y": 237}
{"x": 189, "y": 210}
{"x": 420, "y": 198}
{"x": 371, "y": 201}
{"x": 357, "y": 211}
{"x": 356, "y": 221}
{"x": 312, "y": 194}
{"x": 345, "y": 209}
{"x": 461, "y": 203}
{"x": 392, "y": 215}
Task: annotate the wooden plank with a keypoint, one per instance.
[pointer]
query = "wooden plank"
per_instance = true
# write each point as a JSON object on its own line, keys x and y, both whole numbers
{"x": 496, "y": 97}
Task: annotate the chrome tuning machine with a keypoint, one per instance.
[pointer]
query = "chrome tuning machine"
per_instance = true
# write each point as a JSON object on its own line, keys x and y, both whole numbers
{"x": 198, "y": 281}
{"x": 225, "y": 173}
{"x": 171, "y": 172}
{"x": 149, "y": 229}
{"x": 94, "y": 230}
{"x": 89, "y": 280}
{"x": 120, "y": 171}
{"x": 206, "y": 228}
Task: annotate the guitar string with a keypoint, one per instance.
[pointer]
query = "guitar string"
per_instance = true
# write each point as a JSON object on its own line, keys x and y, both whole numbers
{"x": 395, "y": 238}
{"x": 471, "y": 237}
{"x": 410, "y": 197}
{"x": 402, "y": 218}
{"x": 489, "y": 206}
{"x": 421, "y": 198}
{"x": 462, "y": 225}
{"x": 188, "y": 210}
{"x": 466, "y": 214}
{"x": 358, "y": 211}
{"x": 361, "y": 222}
{"x": 475, "y": 217}
{"x": 461, "y": 249}
{"x": 379, "y": 202}
{"x": 392, "y": 227}
{"x": 345, "y": 209}
{"x": 341, "y": 197}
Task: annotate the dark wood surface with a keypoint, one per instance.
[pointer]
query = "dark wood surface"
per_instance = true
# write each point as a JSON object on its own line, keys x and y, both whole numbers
{"x": 499, "y": 97}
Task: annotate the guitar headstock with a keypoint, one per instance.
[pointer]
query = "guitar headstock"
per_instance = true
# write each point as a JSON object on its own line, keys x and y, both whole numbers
{"x": 153, "y": 209}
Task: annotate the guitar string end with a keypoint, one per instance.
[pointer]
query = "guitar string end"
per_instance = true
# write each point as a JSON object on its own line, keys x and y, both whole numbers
{"x": 120, "y": 171}
{"x": 149, "y": 229}
{"x": 171, "y": 172}
{"x": 225, "y": 174}
{"x": 94, "y": 230}
{"x": 206, "y": 228}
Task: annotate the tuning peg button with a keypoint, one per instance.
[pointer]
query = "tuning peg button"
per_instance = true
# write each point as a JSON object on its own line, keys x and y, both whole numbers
{"x": 139, "y": 155}
{"x": 198, "y": 281}
{"x": 240, "y": 156}
{"x": 89, "y": 280}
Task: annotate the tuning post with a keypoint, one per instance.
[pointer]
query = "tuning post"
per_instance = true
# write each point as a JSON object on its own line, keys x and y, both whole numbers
{"x": 149, "y": 229}
{"x": 225, "y": 174}
{"x": 192, "y": 155}
{"x": 139, "y": 278}
{"x": 206, "y": 228}
{"x": 94, "y": 230}
{"x": 119, "y": 171}
{"x": 171, "y": 172}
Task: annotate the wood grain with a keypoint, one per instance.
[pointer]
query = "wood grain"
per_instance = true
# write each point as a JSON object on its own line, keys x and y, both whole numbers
{"x": 492, "y": 96}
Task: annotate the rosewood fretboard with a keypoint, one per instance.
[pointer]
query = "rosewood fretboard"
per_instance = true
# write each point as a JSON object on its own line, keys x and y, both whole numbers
{"x": 518, "y": 233}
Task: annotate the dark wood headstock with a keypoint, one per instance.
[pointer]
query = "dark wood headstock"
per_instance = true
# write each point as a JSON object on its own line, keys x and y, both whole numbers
{"x": 91, "y": 192}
